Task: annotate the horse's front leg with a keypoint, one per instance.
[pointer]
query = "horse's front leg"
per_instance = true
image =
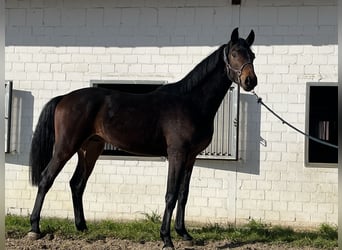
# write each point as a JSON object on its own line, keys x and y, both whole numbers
{"x": 175, "y": 172}
{"x": 182, "y": 200}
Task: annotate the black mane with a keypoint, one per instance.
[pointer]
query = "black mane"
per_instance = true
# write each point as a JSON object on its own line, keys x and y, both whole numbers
{"x": 198, "y": 74}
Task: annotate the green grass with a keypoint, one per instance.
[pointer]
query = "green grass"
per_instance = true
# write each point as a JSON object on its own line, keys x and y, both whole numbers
{"x": 324, "y": 237}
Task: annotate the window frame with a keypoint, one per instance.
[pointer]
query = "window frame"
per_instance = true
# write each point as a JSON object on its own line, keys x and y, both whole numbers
{"x": 232, "y": 134}
{"x": 8, "y": 114}
{"x": 307, "y": 124}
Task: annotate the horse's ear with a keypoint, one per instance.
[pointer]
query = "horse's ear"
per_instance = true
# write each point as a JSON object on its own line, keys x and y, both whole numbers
{"x": 250, "y": 38}
{"x": 235, "y": 35}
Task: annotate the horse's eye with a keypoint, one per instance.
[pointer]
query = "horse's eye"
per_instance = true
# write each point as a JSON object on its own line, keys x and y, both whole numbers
{"x": 234, "y": 54}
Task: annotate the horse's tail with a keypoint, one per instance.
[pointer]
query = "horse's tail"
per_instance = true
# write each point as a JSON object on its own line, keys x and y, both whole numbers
{"x": 43, "y": 141}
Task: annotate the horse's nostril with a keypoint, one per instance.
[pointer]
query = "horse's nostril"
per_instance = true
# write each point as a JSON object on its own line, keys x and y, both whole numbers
{"x": 248, "y": 80}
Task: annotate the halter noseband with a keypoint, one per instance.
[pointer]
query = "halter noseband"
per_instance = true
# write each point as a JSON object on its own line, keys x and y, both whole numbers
{"x": 230, "y": 68}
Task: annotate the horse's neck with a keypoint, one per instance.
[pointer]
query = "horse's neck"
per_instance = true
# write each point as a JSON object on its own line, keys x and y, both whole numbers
{"x": 211, "y": 93}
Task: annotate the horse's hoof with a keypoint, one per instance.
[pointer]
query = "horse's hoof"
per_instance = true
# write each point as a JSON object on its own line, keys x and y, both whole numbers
{"x": 33, "y": 236}
{"x": 168, "y": 248}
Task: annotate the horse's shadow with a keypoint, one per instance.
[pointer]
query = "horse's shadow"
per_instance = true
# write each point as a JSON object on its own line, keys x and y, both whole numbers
{"x": 231, "y": 245}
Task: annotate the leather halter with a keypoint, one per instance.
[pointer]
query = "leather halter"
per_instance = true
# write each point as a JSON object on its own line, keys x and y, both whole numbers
{"x": 230, "y": 68}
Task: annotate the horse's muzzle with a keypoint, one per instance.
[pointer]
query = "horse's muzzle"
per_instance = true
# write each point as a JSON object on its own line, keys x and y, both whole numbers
{"x": 249, "y": 82}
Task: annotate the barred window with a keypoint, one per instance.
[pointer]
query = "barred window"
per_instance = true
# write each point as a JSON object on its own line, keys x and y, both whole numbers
{"x": 321, "y": 122}
{"x": 224, "y": 144}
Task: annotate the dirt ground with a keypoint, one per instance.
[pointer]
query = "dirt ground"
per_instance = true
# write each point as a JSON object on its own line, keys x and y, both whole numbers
{"x": 50, "y": 242}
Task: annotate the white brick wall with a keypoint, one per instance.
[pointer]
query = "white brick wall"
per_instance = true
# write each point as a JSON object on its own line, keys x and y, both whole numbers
{"x": 55, "y": 47}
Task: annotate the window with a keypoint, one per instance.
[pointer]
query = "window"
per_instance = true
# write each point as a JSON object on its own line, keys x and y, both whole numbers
{"x": 8, "y": 114}
{"x": 224, "y": 143}
{"x": 321, "y": 122}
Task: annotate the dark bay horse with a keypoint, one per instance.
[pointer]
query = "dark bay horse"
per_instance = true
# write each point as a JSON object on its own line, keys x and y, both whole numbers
{"x": 175, "y": 121}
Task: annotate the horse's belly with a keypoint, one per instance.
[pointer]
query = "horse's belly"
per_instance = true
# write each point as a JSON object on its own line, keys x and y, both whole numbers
{"x": 137, "y": 142}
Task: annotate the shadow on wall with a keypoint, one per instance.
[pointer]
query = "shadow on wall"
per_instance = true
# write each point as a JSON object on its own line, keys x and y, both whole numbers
{"x": 166, "y": 23}
{"x": 22, "y": 118}
{"x": 249, "y": 140}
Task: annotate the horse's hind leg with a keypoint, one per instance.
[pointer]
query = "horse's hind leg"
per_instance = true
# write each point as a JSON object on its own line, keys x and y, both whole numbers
{"x": 87, "y": 157}
{"x": 55, "y": 165}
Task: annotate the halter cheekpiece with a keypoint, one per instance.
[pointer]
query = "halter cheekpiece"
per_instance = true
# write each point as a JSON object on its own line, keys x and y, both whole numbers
{"x": 230, "y": 68}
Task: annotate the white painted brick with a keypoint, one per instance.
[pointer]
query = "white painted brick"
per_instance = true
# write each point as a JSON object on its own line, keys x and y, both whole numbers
{"x": 215, "y": 203}
{"x": 307, "y": 15}
{"x": 71, "y": 76}
{"x": 257, "y": 214}
{"x": 148, "y": 16}
{"x": 326, "y": 49}
{"x": 264, "y": 205}
{"x": 44, "y": 67}
{"x": 45, "y": 76}
{"x": 332, "y": 60}
{"x": 148, "y": 68}
{"x": 144, "y": 59}
{"x": 166, "y": 16}
{"x": 264, "y": 185}
{"x": 318, "y": 217}
{"x": 121, "y": 68}
{"x": 106, "y": 68}
{"x": 272, "y": 195}
{"x": 94, "y": 17}
{"x": 274, "y": 59}
{"x": 175, "y": 68}
{"x": 131, "y": 59}
{"x": 208, "y": 192}
{"x": 287, "y": 15}
{"x": 17, "y": 17}
{"x": 258, "y": 195}
{"x": 112, "y": 16}
{"x": 311, "y": 69}
{"x": 199, "y": 182}
{"x": 267, "y": 15}
{"x": 296, "y": 69}
{"x": 34, "y": 17}
{"x": 18, "y": 67}
{"x": 73, "y": 17}
{"x": 52, "y": 17}
{"x": 327, "y": 15}
{"x": 281, "y": 69}
{"x": 289, "y": 157}
{"x": 272, "y": 215}
{"x": 200, "y": 201}
{"x": 319, "y": 59}
{"x": 295, "y": 206}
{"x": 249, "y": 204}
{"x": 95, "y": 68}
{"x": 215, "y": 183}
{"x": 59, "y": 76}
{"x": 248, "y": 185}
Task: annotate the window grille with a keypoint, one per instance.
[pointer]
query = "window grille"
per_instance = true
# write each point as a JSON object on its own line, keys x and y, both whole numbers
{"x": 321, "y": 122}
{"x": 8, "y": 114}
{"x": 224, "y": 143}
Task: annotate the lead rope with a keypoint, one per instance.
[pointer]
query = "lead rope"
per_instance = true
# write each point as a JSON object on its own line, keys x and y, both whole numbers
{"x": 259, "y": 100}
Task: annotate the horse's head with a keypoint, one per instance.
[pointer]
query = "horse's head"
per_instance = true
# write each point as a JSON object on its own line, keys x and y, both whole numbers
{"x": 239, "y": 58}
